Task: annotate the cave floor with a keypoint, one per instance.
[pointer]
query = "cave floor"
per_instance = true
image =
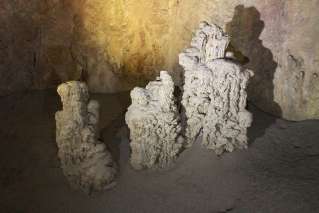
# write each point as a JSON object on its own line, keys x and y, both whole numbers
{"x": 278, "y": 173}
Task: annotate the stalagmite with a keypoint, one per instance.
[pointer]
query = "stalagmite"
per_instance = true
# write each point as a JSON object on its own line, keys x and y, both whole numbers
{"x": 84, "y": 159}
{"x": 225, "y": 124}
{"x": 154, "y": 124}
{"x": 214, "y": 95}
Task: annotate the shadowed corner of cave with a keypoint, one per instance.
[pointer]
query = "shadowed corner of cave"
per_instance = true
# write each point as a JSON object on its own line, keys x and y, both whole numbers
{"x": 245, "y": 29}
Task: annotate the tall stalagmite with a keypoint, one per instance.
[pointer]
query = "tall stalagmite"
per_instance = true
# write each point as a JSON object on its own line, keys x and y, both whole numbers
{"x": 214, "y": 96}
{"x": 84, "y": 159}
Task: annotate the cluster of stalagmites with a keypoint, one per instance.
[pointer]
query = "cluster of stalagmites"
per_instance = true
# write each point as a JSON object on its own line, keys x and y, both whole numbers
{"x": 84, "y": 159}
{"x": 154, "y": 124}
{"x": 214, "y": 101}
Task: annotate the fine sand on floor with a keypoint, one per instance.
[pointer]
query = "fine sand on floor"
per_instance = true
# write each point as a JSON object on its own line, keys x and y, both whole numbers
{"x": 279, "y": 173}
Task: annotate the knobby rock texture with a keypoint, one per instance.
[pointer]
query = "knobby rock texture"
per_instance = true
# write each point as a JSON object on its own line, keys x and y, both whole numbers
{"x": 225, "y": 125}
{"x": 214, "y": 97}
{"x": 84, "y": 159}
{"x": 116, "y": 45}
{"x": 154, "y": 124}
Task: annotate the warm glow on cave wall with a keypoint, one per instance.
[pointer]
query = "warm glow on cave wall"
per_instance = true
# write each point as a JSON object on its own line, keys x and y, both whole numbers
{"x": 126, "y": 43}
{"x": 123, "y": 43}
{"x": 115, "y": 45}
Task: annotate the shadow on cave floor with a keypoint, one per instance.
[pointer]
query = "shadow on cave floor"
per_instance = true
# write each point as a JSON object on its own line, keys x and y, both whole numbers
{"x": 245, "y": 29}
{"x": 261, "y": 122}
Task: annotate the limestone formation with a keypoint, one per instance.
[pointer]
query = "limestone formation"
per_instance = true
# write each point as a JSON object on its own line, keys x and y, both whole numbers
{"x": 197, "y": 87}
{"x": 214, "y": 95}
{"x": 154, "y": 124}
{"x": 211, "y": 42}
{"x": 226, "y": 122}
{"x": 84, "y": 159}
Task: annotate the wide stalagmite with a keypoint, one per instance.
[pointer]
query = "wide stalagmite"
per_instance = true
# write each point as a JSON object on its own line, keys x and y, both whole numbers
{"x": 84, "y": 159}
{"x": 208, "y": 43}
{"x": 226, "y": 122}
{"x": 154, "y": 124}
{"x": 214, "y": 95}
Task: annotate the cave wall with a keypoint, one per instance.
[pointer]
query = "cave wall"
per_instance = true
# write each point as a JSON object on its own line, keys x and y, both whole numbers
{"x": 112, "y": 44}
{"x": 117, "y": 44}
{"x": 277, "y": 39}
{"x": 34, "y": 44}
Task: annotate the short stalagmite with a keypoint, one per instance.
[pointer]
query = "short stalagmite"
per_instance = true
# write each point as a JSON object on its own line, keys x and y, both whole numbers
{"x": 84, "y": 159}
{"x": 214, "y": 95}
{"x": 154, "y": 124}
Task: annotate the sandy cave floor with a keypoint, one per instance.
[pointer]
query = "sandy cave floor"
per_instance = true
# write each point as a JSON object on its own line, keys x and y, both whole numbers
{"x": 279, "y": 173}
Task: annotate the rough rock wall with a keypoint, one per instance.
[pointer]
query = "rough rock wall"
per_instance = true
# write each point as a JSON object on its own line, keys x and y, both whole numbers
{"x": 120, "y": 44}
{"x": 85, "y": 161}
{"x": 154, "y": 124}
{"x": 115, "y": 45}
{"x": 112, "y": 45}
